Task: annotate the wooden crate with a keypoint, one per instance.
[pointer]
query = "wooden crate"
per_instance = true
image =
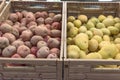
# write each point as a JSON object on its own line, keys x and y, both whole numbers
{"x": 2, "y": 4}
{"x": 41, "y": 69}
{"x": 84, "y": 69}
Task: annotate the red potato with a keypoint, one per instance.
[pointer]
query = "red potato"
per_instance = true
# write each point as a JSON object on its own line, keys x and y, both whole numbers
{"x": 17, "y": 43}
{"x": 28, "y": 44}
{"x": 6, "y": 28}
{"x": 8, "y": 51}
{"x": 30, "y": 56}
{"x": 53, "y": 43}
{"x": 52, "y": 56}
{"x": 48, "y": 20}
{"x": 10, "y": 37}
{"x": 32, "y": 28}
{"x": 16, "y": 56}
{"x": 4, "y": 42}
{"x": 15, "y": 32}
{"x": 37, "y": 14}
{"x": 40, "y": 21}
{"x": 56, "y": 25}
{"x": 23, "y": 28}
{"x": 46, "y": 38}
{"x": 31, "y": 24}
{"x": 24, "y": 13}
{"x": 34, "y": 50}
{"x": 20, "y": 15}
{"x": 23, "y": 51}
{"x": 57, "y": 18}
{"x": 26, "y": 35}
{"x": 48, "y": 26}
{"x": 58, "y": 38}
{"x": 51, "y": 15}
{"x": 55, "y": 50}
{"x": 16, "y": 27}
{"x": 55, "y": 33}
{"x": 35, "y": 39}
{"x": 44, "y": 14}
{"x": 43, "y": 52}
{"x": 23, "y": 22}
{"x": 41, "y": 31}
{"x": 30, "y": 17}
{"x": 13, "y": 17}
{"x": 9, "y": 22}
{"x": 41, "y": 44}
{"x": 17, "y": 23}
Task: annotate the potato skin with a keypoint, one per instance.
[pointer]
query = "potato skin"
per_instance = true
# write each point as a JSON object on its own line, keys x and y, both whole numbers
{"x": 4, "y": 42}
{"x": 35, "y": 39}
{"x": 26, "y": 35}
{"x": 9, "y": 51}
{"x": 43, "y": 52}
{"x": 10, "y": 37}
{"x": 13, "y": 17}
{"x": 23, "y": 51}
{"x": 6, "y": 28}
{"x": 17, "y": 43}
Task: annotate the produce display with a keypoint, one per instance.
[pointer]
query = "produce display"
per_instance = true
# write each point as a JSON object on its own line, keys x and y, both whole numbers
{"x": 94, "y": 37}
{"x": 31, "y": 35}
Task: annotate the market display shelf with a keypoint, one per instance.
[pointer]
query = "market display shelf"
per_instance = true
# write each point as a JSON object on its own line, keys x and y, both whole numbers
{"x": 84, "y": 69}
{"x": 37, "y": 69}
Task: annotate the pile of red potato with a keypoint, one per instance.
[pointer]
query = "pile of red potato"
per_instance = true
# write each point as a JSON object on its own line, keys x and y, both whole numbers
{"x": 31, "y": 35}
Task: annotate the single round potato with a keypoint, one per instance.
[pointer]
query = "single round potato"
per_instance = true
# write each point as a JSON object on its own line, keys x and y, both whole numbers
{"x": 35, "y": 39}
{"x": 10, "y": 37}
{"x": 20, "y": 15}
{"x": 37, "y": 14}
{"x": 44, "y": 14}
{"x": 40, "y": 20}
{"x": 56, "y": 25}
{"x": 26, "y": 35}
{"x": 57, "y": 18}
{"x": 48, "y": 20}
{"x": 13, "y": 17}
{"x": 32, "y": 28}
{"x": 55, "y": 33}
{"x": 34, "y": 50}
{"x": 9, "y": 51}
{"x": 23, "y": 51}
{"x": 30, "y": 17}
{"x": 48, "y": 26}
{"x": 6, "y": 28}
{"x": 28, "y": 44}
{"x": 43, "y": 52}
{"x": 41, "y": 31}
{"x": 41, "y": 44}
{"x": 4, "y": 42}
{"x": 51, "y": 15}
{"x": 17, "y": 43}
{"x": 53, "y": 43}
{"x": 55, "y": 50}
